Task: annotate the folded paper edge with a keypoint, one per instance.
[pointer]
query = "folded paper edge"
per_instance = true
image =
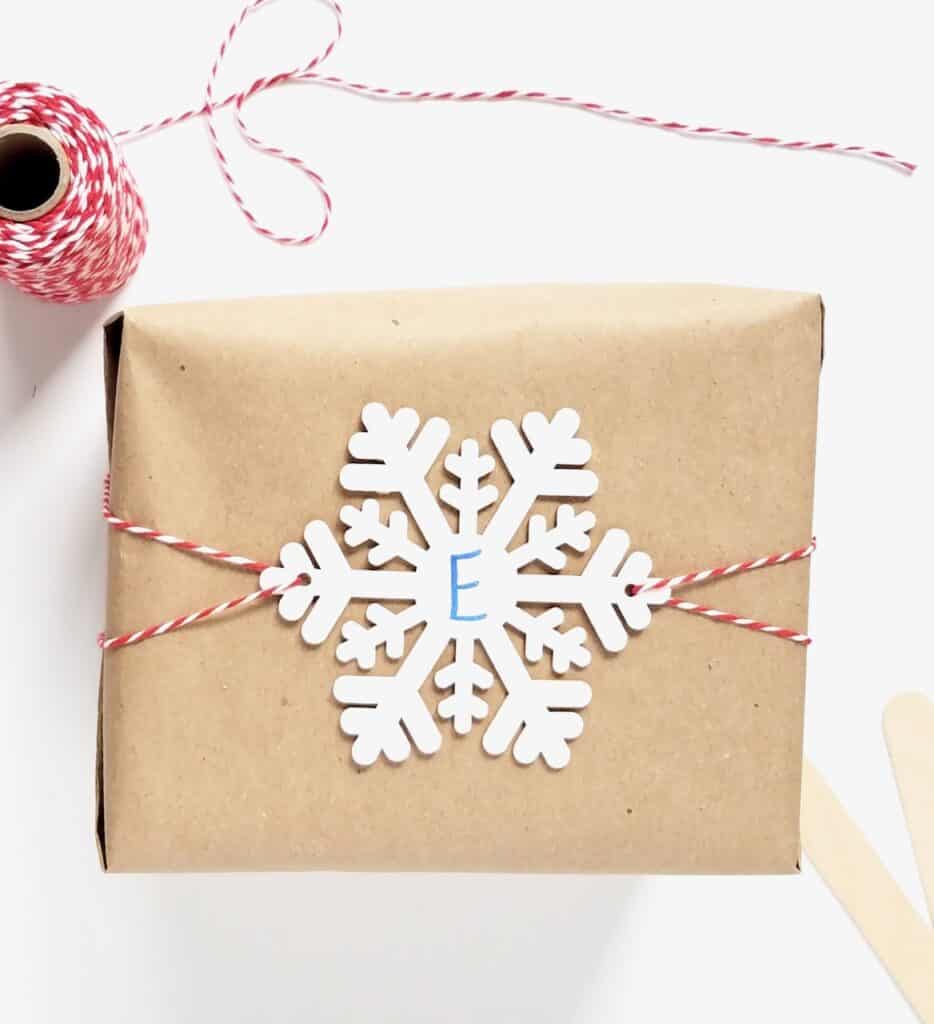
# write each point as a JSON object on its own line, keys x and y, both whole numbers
{"x": 113, "y": 341}
{"x": 113, "y": 338}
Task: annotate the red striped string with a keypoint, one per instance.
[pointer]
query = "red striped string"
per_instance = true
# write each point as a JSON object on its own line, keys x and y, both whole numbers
{"x": 125, "y": 639}
{"x": 238, "y": 561}
{"x": 257, "y": 596}
{"x": 735, "y": 620}
{"x": 703, "y": 575}
{"x": 124, "y": 525}
{"x": 309, "y": 73}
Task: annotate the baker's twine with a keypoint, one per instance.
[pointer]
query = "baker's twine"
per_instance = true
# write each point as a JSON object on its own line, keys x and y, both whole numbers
{"x": 257, "y": 596}
{"x": 91, "y": 243}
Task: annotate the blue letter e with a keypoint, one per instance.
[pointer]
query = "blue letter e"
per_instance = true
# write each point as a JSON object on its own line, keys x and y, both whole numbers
{"x": 457, "y": 587}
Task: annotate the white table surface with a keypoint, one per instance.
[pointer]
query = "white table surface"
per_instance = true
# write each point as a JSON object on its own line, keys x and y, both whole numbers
{"x": 443, "y": 195}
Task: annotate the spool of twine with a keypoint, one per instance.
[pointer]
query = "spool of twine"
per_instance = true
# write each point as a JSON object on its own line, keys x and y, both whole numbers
{"x": 72, "y": 223}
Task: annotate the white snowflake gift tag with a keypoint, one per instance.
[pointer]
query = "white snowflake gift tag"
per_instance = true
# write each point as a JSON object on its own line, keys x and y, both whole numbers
{"x": 465, "y": 587}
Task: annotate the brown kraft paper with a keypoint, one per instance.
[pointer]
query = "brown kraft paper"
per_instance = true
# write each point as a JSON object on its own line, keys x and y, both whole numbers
{"x": 220, "y": 743}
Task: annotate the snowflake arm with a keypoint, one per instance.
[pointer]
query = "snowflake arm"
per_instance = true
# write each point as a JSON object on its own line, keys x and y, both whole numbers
{"x": 328, "y": 590}
{"x": 390, "y": 540}
{"x": 468, "y": 497}
{"x": 463, "y": 676}
{"x": 541, "y": 632}
{"x": 331, "y": 583}
{"x": 538, "y": 716}
{"x": 389, "y": 461}
{"x": 544, "y": 545}
{"x": 537, "y": 467}
{"x": 378, "y": 707}
{"x": 386, "y": 630}
{"x": 602, "y": 590}
{"x": 607, "y": 601}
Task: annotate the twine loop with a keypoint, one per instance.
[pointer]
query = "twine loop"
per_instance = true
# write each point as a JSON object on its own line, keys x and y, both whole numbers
{"x": 91, "y": 242}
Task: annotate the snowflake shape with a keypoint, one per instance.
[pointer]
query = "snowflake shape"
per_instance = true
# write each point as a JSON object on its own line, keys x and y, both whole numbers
{"x": 465, "y": 586}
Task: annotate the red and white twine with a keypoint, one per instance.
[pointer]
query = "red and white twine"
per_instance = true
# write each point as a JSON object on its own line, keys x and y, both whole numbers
{"x": 737, "y": 620}
{"x": 106, "y": 643}
{"x": 726, "y": 570}
{"x": 194, "y": 548}
{"x": 125, "y": 526}
{"x": 703, "y": 575}
{"x": 92, "y": 242}
{"x": 240, "y": 562}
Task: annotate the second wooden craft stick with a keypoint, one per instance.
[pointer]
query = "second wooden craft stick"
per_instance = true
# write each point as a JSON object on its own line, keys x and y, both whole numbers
{"x": 852, "y": 869}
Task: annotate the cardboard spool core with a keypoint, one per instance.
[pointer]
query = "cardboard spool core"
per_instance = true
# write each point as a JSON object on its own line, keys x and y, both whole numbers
{"x": 34, "y": 172}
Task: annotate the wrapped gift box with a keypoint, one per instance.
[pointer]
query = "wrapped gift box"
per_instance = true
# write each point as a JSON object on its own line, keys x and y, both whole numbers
{"x": 459, "y": 678}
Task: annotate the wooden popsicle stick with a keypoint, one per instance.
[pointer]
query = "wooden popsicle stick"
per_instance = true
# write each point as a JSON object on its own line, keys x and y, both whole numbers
{"x": 851, "y": 868}
{"x": 909, "y": 733}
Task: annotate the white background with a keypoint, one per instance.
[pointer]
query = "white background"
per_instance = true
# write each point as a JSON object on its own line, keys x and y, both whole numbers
{"x": 435, "y": 195}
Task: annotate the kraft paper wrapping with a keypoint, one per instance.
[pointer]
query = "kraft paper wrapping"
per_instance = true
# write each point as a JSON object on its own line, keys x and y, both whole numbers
{"x": 220, "y": 744}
